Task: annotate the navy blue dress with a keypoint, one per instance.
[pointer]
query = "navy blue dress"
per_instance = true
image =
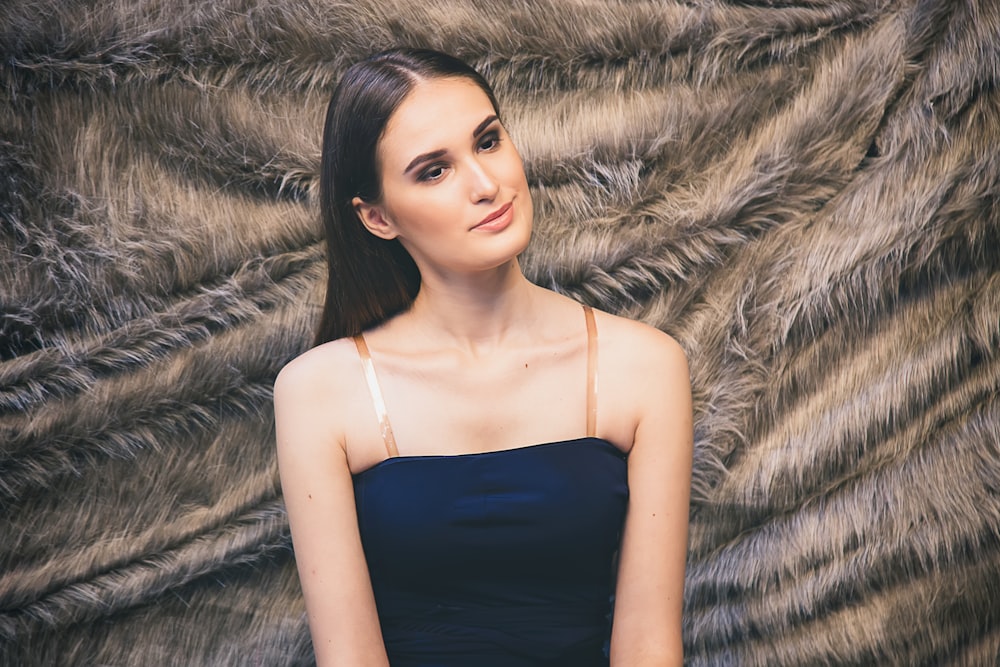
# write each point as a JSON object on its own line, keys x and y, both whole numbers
{"x": 495, "y": 559}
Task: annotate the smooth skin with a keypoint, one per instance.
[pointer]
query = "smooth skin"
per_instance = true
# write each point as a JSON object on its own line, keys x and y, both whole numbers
{"x": 484, "y": 360}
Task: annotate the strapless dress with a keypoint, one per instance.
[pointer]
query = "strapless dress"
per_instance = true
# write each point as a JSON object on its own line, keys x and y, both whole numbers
{"x": 497, "y": 559}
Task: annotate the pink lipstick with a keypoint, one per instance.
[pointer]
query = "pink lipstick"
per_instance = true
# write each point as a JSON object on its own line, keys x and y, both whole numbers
{"x": 498, "y": 219}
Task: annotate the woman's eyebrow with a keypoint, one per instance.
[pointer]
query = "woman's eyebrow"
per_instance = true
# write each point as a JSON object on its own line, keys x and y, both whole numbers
{"x": 433, "y": 155}
{"x": 423, "y": 157}
{"x": 482, "y": 126}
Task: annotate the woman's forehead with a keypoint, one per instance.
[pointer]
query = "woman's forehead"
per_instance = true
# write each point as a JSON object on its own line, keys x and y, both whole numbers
{"x": 434, "y": 114}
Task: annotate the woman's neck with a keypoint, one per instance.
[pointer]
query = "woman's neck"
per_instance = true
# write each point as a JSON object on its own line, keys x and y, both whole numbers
{"x": 477, "y": 313}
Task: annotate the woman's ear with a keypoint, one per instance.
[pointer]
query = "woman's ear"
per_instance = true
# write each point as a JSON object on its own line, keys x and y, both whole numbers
{"x": 374, "y": 220}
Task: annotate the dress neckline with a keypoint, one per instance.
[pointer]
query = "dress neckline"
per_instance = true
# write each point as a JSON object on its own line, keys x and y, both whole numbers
{"x": 395, "y": 460}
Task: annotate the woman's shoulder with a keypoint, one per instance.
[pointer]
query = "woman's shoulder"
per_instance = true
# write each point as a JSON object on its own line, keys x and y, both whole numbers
{"x": 317, "y": 367}
{"x": 637, "y": 344}
{"x": 644, "y": 378}
{"x": 315, "y": 395}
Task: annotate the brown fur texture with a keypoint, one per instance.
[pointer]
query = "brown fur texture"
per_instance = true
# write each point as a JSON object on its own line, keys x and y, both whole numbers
{"x": 803, "y": 193}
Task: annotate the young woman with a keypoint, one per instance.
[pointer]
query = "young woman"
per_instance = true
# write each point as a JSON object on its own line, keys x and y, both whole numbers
{"x": 473, "y": 466}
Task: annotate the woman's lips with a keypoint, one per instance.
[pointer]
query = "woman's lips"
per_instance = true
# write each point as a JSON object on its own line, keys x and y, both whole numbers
{"x": 498, "y": 219}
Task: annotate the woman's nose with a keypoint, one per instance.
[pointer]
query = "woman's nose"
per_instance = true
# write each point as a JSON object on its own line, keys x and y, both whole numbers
{"x": 484, "y": 185}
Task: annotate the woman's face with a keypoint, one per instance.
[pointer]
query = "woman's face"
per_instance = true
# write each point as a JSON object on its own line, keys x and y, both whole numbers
{"x": 453, "y": 187}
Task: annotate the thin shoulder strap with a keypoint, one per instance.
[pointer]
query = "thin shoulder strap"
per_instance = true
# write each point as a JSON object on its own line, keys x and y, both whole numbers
{"x": 376, "y": 392}
{"x": 591, "y": 372}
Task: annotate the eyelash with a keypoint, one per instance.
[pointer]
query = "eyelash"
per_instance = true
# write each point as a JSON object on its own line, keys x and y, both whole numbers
{"x": 428, "y": 173}
{"x": 492, "y": 135}
{"x": 433, "y": 171}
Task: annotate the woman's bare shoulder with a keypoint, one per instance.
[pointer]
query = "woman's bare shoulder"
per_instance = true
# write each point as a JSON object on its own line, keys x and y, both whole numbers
{"x": 314, "y": 394}
{"x": 318, "y": 368}
{"x": 632, "y": 343}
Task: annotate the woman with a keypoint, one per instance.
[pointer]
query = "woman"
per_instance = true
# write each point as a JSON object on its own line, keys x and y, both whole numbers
{"x": 429, "y": 528}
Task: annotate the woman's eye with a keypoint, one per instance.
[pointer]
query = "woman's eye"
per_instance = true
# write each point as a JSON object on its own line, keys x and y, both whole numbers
{"x": 489, "y": 141}
{"x": 431, "y": 173}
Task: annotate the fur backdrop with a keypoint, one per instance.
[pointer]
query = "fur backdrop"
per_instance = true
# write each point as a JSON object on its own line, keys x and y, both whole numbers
{"x": 804, "y": 193}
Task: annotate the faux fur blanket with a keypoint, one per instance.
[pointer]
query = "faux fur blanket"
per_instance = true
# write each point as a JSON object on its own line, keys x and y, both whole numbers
{"x": 803, "y": 193}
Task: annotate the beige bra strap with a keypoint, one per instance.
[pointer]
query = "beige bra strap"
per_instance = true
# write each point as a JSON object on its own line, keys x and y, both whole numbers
{"x": 376, "y": 392}
{"x": 591, "y": 372}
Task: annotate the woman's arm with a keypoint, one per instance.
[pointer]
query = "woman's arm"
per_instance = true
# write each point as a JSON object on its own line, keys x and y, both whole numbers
{"x": 650, "y": 591}
{"x": 319, "y": 496}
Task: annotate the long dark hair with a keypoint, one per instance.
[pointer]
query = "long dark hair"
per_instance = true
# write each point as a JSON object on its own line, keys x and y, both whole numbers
{"x": 370, "y": 279}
